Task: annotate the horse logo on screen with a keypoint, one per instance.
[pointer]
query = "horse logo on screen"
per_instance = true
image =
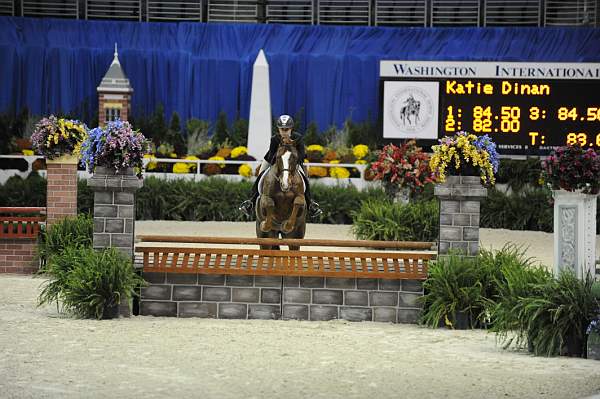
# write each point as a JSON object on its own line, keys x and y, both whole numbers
{"x": 411, "y": 111}
{"x": 411, "y": 108}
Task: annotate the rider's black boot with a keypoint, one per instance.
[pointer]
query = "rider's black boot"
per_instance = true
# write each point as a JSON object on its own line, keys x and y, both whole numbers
{"x": 314, "y": 210}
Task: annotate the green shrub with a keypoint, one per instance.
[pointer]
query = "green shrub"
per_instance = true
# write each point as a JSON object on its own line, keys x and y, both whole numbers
{"x": 530, "y": 209}
{"x": 69, "y": 232}
{"x": 473, "y": 286}
{"x": 382, "y": 220}
{"x": 30, "y": 191}
{"x": 453, "y": 289}
{"x": 210, "y": 199}
{"x": 519, "y": 173}
{"x": 555, "y": 314}
{"x": 90, "y": 283}
{"x": 338, "y": 202}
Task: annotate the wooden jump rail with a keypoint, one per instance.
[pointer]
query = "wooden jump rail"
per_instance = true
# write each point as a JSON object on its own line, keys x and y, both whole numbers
{"x": 21, "y": 227}
{"x": 334, "y": 263}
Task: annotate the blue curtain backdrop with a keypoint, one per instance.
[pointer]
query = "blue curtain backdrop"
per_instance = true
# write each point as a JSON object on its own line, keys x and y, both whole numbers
{"x": 51, "y": 65}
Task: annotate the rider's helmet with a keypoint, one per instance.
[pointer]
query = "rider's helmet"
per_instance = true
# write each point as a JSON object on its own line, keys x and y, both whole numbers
{"x": 285, "y": 122}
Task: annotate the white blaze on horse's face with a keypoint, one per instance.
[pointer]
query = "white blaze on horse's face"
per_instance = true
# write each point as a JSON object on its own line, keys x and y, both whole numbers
{"x": 285, "y": 158}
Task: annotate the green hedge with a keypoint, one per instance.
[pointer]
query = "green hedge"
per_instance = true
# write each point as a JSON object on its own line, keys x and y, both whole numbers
{"x": 217, "y": 199}
{"x": 383, "y": 220}
{"x": 530, "y": 209}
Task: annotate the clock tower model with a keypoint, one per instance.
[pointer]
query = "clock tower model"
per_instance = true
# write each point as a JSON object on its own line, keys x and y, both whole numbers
{"x": 114, "y": 94}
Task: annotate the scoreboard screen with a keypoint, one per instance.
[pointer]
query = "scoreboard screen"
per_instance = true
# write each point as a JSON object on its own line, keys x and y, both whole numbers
{"x": 527, "y": 109}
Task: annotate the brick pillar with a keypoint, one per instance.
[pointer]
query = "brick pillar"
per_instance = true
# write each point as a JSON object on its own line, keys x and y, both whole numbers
{"x": 61, "y": 199}
{"x": 460, "y": 198}
{"x": 114, "y": 211}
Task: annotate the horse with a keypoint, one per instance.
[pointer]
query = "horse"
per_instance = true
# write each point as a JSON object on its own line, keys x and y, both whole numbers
{"x": 281, "y": 206}
{"x": 411, "y": 107}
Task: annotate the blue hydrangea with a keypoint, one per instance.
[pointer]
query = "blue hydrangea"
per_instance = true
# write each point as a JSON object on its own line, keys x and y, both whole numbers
{"x": 485, "y": 143}
{"x": 92, "y": 148}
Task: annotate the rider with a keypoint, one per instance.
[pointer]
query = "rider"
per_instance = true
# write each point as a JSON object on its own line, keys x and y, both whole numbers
{"x": 285, "y": 124}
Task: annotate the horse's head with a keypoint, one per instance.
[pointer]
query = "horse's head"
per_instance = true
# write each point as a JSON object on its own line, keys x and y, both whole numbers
{"x": 287, "y": 162}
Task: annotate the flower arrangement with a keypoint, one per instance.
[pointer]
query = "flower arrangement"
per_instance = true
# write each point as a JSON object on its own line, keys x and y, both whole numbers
{"x": 115, "y": 146}
{"x": 572, "y": 168}
{"x": 315, "y": 148}
{"x": 54, "y": 137}
{"x": 218, "y": 158}
{"x": 245, "y": 170}
{"x": 339, "y": 172}
{"x": 317, "y": 171}
{"x": 593, "y": 327}
{"x": 404, "y": 166}
{"x": 237, "y": 151}
{"x": 464, "y": 154}
{"x": 181, "y": 167}
{"x": 151, "y": 162}
{"x": 360, "y": 151}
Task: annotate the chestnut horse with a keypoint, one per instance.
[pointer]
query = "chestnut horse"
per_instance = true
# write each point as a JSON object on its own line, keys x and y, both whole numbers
{"x": 281, "y": 207}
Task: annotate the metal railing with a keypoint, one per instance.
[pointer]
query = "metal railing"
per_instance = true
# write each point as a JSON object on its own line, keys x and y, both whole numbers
{"x": 233, "y": 11}
{"x": 290, "y": 11}
{"x": 571, "y": 13}
{"x": 401, "y": 12}
{"x": 512, "y": 12}
{"x": 7, "y": 7}
{"x": 341, "y": 12}
{"x": 455, "y": 13}
{"x": 50, "y": 8}
{"x": 114, "y": 9}
{"x": 174, "y": 10}
{"x": 344, "y": 12}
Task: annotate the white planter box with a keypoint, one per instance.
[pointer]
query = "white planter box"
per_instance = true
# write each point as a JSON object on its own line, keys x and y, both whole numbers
{"x": 574, "y": 232}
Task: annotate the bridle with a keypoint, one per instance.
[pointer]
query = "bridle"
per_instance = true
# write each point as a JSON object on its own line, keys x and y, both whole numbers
{"x": 282, "y": 170}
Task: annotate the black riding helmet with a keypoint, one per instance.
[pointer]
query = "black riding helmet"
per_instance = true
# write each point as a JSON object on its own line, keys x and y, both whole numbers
{"x": 285, "y": 122}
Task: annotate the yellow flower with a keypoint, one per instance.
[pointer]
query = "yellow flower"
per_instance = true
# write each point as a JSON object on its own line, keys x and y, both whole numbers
{"x": 360, "y": 162}
{"x": 151, "y": 165}
{"x": 317, "y": 171}
{"x": 27, "y": 152}
{"x": 245, "y": 170}
{"x": 218, "y": 158}
{"x": 237, "y": 151}
{"x": 315, "y": 147}
{"x": 192, "y": 158}
{"x": 334, "y": 161}
{"x": 181, "y": 167}
{"x": 172, "y": 155}
{"x": 339, "y": 173}
{"x": 360, "y": 151}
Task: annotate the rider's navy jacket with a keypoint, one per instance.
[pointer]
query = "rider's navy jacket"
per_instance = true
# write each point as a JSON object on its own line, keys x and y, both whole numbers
{"x": 276, "y": 140}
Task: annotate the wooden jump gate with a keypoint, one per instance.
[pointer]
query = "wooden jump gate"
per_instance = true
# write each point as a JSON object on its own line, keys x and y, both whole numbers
{"x": 19, "y": 227}
{"x": 411, "y": 263}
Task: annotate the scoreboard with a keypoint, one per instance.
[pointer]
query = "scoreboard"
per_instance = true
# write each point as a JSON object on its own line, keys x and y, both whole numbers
{"x": 526, "y": 108}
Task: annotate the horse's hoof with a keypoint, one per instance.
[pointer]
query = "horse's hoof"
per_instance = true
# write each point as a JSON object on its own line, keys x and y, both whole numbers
{"x": 287, "y": 227}
{"x": 264, "y": 226}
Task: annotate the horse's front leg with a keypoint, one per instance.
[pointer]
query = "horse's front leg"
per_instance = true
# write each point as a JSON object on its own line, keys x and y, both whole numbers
{"x": 289, "y": 224}
{"x": 268, "y": 204}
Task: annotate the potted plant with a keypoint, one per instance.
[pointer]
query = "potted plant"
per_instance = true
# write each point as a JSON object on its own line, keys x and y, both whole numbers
{"x": 454, "y": 293}
{"x": 573, "y": 175}
{"x": 403, "y": 170}
{"x": 115, "y": 149}
{"x": 593, "y": 339}
{"x": 59, "y": 140}
{"x": 90, "y": 283}
{"x": 465, "y": 154}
